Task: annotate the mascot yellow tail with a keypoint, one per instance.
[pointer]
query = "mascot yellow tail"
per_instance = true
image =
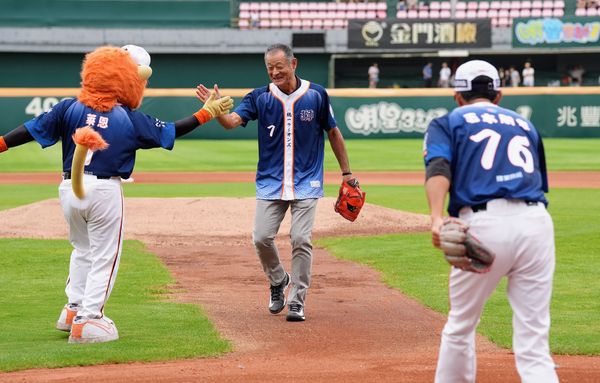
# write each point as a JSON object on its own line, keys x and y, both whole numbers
{"x": 86, "y": 139}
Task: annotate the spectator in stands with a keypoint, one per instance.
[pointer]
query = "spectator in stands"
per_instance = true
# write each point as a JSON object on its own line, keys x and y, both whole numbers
{"x": 254, "y": 20}
{"x": 502, "y": 76}
{"x": 401, "y": 5}
{"x": 445, "y": 72}
{"x": 373, "y": 75}
{"x": 576, "y": 74}
{"x": 515, "y": 77}
{"x": 411, "y": 4}
{"x": 587, "y": 4}
{"x": 507, "y": 77}
{"x": 528, "y": 75}
{"x": 427, "y": 75}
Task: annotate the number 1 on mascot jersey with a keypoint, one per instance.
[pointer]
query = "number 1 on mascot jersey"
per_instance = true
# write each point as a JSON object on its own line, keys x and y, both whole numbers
{"x": 101, "y": 130}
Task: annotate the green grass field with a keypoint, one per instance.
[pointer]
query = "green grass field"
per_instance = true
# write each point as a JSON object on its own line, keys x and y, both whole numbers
{"x": 241, "y": 155}
{"x": 407, "y": 261}
{"x": 31, "y": 297}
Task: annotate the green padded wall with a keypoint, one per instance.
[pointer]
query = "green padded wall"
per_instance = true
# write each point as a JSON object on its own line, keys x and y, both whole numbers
{"x": 49, "y": 70}
{"x": 116, "y": 13}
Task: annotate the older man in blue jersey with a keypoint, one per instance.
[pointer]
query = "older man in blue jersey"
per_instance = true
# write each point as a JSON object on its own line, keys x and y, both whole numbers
{"x": 491, "y": 161}
{"x": 292, "y": 115}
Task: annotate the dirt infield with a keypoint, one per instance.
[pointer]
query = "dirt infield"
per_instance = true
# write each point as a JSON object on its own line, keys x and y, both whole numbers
{"x": 576, "y": 179}
{"x": 357, "y": 329}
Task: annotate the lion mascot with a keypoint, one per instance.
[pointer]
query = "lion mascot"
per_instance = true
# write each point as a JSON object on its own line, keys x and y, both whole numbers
{"x": 100, "y": 131}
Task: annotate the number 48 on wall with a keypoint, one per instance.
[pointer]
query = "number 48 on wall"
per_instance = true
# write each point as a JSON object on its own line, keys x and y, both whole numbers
{"x": 39, "y": 105}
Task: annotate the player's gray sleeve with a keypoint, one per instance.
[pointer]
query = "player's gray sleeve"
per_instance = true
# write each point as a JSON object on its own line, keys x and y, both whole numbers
{"x": 438, "y": 166}
{"x": 18, "y": 136}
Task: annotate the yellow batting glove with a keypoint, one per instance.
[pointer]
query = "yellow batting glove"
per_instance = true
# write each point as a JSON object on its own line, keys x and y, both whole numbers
{"x": 214, "y": 108}
{"x": 218, "y": 107}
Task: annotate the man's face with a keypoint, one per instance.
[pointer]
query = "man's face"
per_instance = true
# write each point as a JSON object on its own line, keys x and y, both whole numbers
{"x": 281, "y": 71}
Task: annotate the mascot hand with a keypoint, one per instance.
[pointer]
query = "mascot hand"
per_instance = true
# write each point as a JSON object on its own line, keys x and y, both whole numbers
{"x": 217, "y": 107}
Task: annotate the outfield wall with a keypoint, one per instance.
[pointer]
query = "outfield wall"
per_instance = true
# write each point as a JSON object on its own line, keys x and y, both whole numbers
{"x": 360, "y": 113}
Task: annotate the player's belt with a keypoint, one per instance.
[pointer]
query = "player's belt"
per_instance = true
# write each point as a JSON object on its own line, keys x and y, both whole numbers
{"x": 67, "y": 176}
{"x": 483, "y": 206}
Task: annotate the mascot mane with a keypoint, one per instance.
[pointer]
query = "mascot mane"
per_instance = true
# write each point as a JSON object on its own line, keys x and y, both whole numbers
{"x": 109, "y": 76}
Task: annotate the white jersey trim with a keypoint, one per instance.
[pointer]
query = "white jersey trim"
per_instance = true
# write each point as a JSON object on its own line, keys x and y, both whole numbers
{"x": 288, "y": 101}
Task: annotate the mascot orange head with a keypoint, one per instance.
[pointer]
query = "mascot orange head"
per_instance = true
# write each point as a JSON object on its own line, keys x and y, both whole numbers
{"x": 112, "y": 76}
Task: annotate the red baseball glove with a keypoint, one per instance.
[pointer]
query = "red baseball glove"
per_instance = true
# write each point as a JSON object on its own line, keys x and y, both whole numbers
{"x": 350, "y": 200}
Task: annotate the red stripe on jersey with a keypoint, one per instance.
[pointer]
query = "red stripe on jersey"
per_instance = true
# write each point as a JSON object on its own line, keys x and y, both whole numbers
{"x": 116, "y": 256}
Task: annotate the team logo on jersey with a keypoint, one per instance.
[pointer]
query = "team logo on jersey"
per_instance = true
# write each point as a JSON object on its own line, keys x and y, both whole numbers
{"x": 158, "y": 123}
{"x": 307, "y": 115}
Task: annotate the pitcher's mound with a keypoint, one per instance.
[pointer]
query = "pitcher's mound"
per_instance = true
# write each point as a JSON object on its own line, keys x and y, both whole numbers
{"x": 147, "y": 218}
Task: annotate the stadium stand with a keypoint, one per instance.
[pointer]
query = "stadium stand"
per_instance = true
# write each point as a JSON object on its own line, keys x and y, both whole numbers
{"x": 330, "y": 15}
{"x": 307, "y": 15}
{"x": 589, "y": 8}
{"x": 501, "y": 12}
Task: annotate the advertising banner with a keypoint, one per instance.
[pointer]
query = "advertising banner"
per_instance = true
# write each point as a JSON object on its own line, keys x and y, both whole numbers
{"x": 566, "y": 32}
{"x": 419, "y": 34}
{"x": 554, "y": 115}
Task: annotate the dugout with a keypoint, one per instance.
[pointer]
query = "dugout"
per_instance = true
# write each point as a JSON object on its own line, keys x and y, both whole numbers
{"x": 49, "y": 70}
{"x": 404, "y": 70}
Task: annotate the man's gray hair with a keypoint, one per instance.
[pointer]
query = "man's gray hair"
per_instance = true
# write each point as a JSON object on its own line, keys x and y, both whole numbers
{"x": 289, "y": 55}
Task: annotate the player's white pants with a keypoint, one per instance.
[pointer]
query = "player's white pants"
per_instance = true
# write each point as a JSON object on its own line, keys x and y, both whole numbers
{"x": 96, "y": 233}
{"x": 523, "y": 239}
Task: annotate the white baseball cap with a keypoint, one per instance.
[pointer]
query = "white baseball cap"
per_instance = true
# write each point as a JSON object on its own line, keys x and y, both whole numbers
{"x": 139, "y": 54}
{"x": 467, "y": 72}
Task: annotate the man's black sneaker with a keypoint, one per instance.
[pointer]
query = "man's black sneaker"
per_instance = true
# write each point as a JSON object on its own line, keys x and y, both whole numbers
{"x": 295, "y": 313}
{"x": 277, "y": 301}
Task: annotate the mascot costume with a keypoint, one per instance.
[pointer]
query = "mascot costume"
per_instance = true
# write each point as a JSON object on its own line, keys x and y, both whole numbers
{"x": 101, "y": 131}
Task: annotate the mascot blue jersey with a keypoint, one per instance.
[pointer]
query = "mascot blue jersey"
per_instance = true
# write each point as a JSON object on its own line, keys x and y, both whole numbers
{"x": 290, "y": 139}
{"x": 124, "y": 130}
{"x": 499, "y": 154}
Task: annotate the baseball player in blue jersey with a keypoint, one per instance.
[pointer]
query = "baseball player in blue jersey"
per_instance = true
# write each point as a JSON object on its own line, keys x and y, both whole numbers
{"x": 113, "y": 82}
{"x": 292, "y": 115}
{"x": 491, "y": 161}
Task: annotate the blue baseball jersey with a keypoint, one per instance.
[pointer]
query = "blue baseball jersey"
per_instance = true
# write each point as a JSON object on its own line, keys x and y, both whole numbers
{"x": 493, "y": 153}
{"x": 124, "y": 130}
{"x": 290, "y": 139}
